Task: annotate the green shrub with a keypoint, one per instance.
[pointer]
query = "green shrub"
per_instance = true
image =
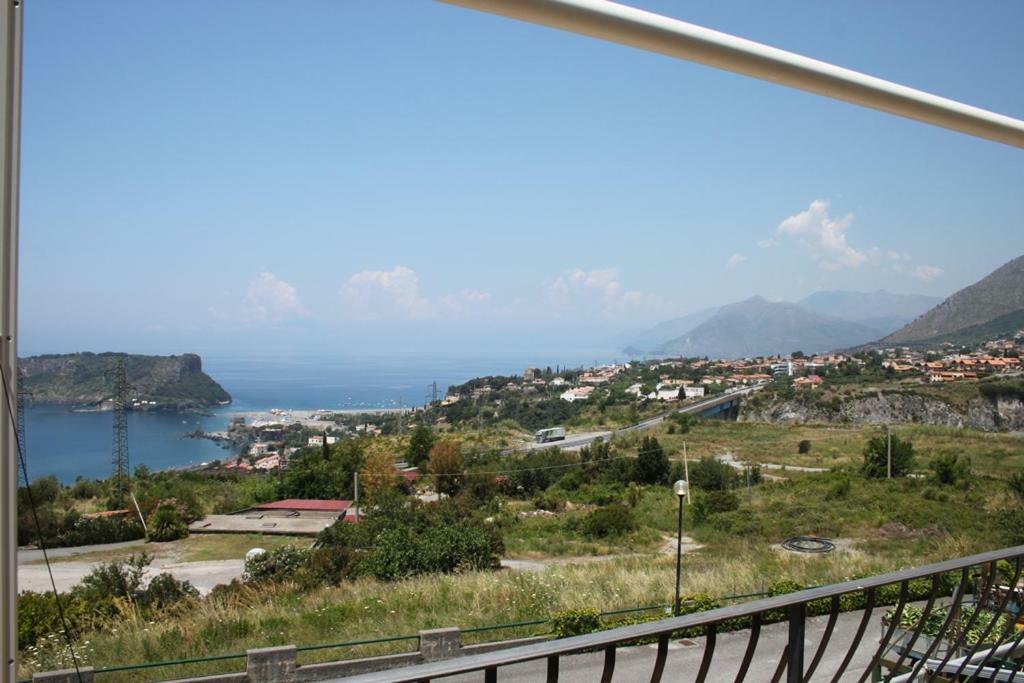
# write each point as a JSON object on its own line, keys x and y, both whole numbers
{"x": 575, "y": 622}
{"x": 876, "y": 457}
{"x": 93, "y": 530}
{"x": 950, "y": 469}
{"x": 1016, "y": 484}
{"x": 708, "y": 503}
{"x": 609, "y": 521}
{"x": 167, "y": 524}
{"x": 38, "y": 616}
{"x": 279, "y": 564}
{"x": 803, "y": 447}
{"x": 708, "y": 474}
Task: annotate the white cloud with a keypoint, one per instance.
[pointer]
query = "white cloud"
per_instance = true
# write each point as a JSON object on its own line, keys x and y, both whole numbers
{"x": 271, "y": 300}
{"x": 371, "y": 294}
{"x": 735, "y": 260}
{"x": 467, "y": 298}
{"x": 768, "y": 243}
{"x": 598, "y": 291}
{"x": 823, "y": 235}
{"x": 927, "y": 273}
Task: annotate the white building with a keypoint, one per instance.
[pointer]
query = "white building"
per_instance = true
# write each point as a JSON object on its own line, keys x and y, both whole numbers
{"x": 693, "y": 392}
{"x": 577, "y": 394}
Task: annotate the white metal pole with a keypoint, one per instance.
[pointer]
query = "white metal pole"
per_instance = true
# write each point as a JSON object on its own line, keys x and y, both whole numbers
{"x": 665, "y": 35}
{"x": 10, "y": 152}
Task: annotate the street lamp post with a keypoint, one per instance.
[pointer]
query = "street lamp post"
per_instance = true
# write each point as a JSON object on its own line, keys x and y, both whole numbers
{"x": 682, "y": 489}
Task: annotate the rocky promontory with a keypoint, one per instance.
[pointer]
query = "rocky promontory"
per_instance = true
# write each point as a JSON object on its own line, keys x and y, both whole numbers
{"x": 86, "y": 380}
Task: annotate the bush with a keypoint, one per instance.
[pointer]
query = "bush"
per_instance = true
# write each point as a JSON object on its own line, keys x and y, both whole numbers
{"x": 876, "y": 457}
{"x": 951, "y": 469}
{"x": 708, "y": 474}
{"x": 38, "y": 616}
{"x": 609, "y": 521}
{"x": 708, "y": 503}
{"x": 279, "y": 564}
{"x": 575, "y": 622}
{"x": 167, "y": 524}
{"x": 1016, "y": 484}
{"x": 92, "y": 530}
{"x": 803, "y": 447}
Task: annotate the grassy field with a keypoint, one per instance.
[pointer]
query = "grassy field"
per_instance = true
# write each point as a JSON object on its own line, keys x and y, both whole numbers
{"x": 366, "y": 609}
{"x": 881, "y": 525}
{"x": 993, "y": 454}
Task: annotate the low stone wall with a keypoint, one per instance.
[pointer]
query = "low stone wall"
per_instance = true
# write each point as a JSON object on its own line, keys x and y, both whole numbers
{"x": 280, "y": 664}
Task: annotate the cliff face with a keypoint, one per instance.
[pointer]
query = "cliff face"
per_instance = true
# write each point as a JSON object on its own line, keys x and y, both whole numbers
{"x": 157, "y": 382}
{"x": 1000, "y": 414}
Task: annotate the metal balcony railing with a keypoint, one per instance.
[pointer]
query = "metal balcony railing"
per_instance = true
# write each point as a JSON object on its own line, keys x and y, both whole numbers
{"x": 944, "y": 621}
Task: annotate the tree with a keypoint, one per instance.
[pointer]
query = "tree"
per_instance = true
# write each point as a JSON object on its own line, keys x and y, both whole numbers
{"x": 325, "y": 448}
{"x": 446, "y": 467}
{"x": 420, "y": 443}
{"x": 876, "y": 457}
{"x": 708, "y": 474}
{"x": 310, "y": 476}
{"x": 651, "y": 463}
{"x": 378, "y": 474}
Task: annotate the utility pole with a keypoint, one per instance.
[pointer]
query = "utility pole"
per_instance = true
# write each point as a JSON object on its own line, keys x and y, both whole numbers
{"x": 11, "y": 20}
{"x": 119, "y": 457}
{"x": 355, "y": 489}
{"x": 888, "y": 452}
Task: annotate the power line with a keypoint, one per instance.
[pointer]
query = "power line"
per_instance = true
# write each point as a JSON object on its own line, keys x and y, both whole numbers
{"x": 11, "y": 409}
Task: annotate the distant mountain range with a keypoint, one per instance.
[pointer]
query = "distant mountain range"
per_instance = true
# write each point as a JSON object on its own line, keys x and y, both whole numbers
{"x": 990, "y": 308}
{"x": 821, "y": 322}
{"x": 879, "y": 310}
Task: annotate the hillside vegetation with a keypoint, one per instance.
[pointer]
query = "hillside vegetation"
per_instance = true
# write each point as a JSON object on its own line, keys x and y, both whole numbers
{"x": 991, "y": 299}
{"x": 87, "y": 380}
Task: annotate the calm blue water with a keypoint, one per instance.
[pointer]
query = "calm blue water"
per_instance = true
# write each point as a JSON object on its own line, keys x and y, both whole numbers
{"x": 79, "y": 444}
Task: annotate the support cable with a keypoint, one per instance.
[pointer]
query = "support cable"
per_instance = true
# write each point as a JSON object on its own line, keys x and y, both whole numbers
{"x": 9, "y": 399}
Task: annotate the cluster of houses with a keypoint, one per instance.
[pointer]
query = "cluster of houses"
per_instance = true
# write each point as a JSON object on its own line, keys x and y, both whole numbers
{"x": 990, "y": 360}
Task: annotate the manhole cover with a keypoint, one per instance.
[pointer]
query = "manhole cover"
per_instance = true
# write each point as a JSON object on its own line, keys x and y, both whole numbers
{"x": 808, "y": 544}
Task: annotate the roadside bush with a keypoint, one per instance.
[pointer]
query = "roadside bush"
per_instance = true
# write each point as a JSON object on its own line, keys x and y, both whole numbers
{"x": 401, "y": 538}
{"x": 575, "y": 622}
{"x": 609, "y": 521}
{"x": 109, "y": 590}
{"x": 279, "y": 564}
{"x": 692, "y": 603}
{"x": 92, "y": 530}
{"x": 38, "y": 616}
{"x": 402, "y": 552}
{"x": 708, "y": 503}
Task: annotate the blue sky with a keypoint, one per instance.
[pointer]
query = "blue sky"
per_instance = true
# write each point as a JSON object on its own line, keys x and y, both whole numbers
{"x": 408, "y": 175}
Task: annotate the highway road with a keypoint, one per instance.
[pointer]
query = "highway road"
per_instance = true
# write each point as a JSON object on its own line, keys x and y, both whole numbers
{"x": 577, "y": 441}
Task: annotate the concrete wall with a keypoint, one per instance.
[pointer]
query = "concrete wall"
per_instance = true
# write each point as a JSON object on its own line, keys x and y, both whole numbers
{"x": 280, "y": 665}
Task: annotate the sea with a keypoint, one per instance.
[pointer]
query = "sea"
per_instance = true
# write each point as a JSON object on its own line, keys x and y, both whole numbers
{"x": 72, "y": 444}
